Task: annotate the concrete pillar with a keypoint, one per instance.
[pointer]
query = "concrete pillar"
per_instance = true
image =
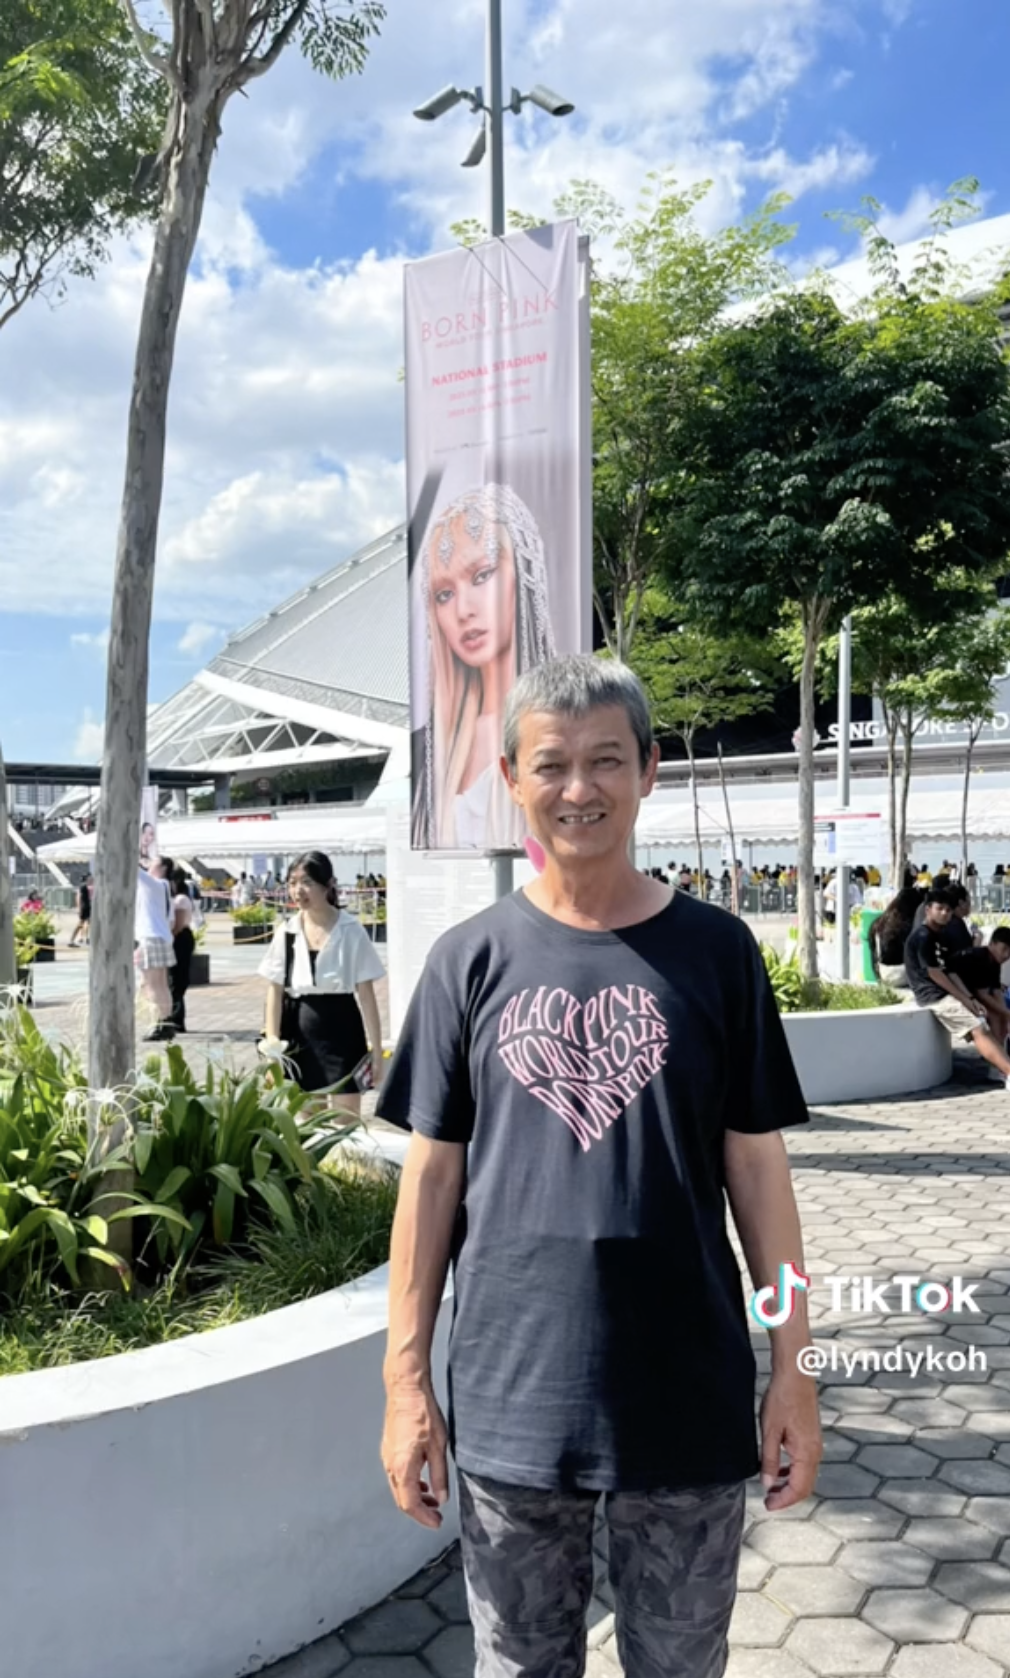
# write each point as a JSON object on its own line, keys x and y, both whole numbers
{"x": 222, "y": 792}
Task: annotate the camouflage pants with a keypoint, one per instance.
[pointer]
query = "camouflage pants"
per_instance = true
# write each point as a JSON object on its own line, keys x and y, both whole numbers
{"x": 528, "y": 1563}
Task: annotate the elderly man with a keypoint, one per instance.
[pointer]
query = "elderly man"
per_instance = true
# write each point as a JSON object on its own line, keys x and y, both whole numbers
{"x": 589, "y": 1069}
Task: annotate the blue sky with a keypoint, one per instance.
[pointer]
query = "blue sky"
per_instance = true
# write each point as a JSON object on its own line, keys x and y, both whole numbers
{"x": 285, "y": 446}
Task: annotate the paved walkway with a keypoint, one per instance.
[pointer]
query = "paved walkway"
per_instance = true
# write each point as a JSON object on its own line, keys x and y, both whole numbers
{"x": 901, "y": 1562}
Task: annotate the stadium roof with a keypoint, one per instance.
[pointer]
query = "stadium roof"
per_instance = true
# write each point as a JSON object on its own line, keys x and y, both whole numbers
{"x": 321, "y": 678}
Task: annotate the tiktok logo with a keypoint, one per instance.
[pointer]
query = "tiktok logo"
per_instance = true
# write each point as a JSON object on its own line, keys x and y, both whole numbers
{"x": 771, "y": 1307}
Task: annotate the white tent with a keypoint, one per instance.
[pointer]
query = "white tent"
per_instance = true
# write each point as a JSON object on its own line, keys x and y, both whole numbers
{"x": 667, "y": 819}
{"x": 216, "y": 834}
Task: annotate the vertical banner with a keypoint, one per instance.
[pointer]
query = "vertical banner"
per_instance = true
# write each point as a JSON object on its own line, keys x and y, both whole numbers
{"x": 499, "y": 510}
{"x": 148, "y": 827}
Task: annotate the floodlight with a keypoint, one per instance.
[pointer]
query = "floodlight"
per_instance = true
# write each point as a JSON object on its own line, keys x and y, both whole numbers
{"x": 441, "y": 103}
{"x": 552, "y": 103}
{"x": 478, "y": 150}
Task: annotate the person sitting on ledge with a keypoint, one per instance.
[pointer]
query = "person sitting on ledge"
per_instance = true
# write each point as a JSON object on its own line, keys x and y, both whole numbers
{"x": 937, "y": 987}
{"x": 980, "y": 970}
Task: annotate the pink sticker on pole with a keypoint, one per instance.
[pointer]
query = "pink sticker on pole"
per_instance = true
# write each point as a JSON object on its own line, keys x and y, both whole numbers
{"x": 535, "y": 852}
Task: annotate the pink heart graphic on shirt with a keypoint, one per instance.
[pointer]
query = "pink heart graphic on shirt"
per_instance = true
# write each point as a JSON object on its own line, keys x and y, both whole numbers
{"x": 586, "y": 1061}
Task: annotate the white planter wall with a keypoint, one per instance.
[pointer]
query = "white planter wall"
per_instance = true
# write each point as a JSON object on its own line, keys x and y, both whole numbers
{"x": 201, "y": 1509}
{"x": 869, "y": 1053}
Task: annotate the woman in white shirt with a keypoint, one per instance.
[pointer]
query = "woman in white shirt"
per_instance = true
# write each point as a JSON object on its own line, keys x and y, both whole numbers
{"x": 154, "y": 955}
{"x": 326, "y": 961}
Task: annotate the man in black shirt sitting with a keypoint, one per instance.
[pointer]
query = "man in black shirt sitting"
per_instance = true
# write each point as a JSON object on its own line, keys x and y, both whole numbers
{"x": 980, "y": 970}
{"x": 937, "y": 986}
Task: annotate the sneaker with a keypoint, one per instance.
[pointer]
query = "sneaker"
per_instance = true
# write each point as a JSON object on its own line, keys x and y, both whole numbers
{"x": 161, "y": 1034}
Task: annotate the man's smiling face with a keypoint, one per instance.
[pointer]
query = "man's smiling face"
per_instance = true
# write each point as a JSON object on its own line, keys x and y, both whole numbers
{"x": 580, "y": 781}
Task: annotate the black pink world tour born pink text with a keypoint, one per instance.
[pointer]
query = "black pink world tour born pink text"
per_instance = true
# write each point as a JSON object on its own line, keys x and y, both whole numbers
{"x": 586, "y": 1061}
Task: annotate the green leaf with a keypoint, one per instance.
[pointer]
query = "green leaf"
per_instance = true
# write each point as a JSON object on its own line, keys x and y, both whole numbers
{"x": 173, "y": 1183}
{"x": 224, "y": 1214}
{"x": 143, "y": 1144}
{"x": 97, "y": 1228}
{"x": 231, "y": 1177}
{"x": 277, "y": 1200}
{"x": 149, "y": 1209}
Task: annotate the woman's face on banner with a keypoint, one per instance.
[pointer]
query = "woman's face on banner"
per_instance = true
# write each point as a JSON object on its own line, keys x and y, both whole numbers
{"x": 474, "y": 594}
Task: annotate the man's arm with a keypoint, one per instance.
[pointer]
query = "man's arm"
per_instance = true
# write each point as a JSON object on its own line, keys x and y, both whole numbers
{"x": 957, "y": 988}
{"x": 764, "y": 1210}
{"x": 431, "y": 1187}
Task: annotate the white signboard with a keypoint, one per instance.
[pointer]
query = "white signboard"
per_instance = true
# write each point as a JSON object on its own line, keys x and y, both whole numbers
{"x": 852, "y": 836}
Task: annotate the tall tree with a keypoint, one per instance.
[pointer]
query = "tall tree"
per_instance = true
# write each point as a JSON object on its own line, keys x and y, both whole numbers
{"x": 697, "y": 679}
{"x": 825, "y": 460}
{"x": 79, "y": 110}
{"x": 664, "y": 287}
{"x": 212, "y": 49}
{"x": 959, "y": 684}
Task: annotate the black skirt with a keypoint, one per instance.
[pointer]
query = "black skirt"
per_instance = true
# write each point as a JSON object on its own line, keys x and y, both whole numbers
{"x": 331, "y": 1041}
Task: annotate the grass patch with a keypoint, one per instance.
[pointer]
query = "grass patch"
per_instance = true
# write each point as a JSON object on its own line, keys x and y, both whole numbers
{"x": 334, "y": 1240}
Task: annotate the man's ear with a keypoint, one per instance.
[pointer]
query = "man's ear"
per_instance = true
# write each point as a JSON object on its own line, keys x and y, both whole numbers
{"x": 503, "y": 765}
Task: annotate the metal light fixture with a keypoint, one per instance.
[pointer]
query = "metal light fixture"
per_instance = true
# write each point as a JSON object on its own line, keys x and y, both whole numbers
{"x": 442, "y": 102}
{"x": 493, "y": 109}
{"x": 553, "y": 103}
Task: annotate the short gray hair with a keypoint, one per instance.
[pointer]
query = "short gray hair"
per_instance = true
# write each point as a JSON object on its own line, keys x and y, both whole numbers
{"x": 571, "y": 686}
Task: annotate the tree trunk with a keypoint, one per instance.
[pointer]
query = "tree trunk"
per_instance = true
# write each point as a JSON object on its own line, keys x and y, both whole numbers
{"x": 111, "y": 1033}
{"x": 908, "y": 733}
{"x": 8, "y": 963}
{"x": 688, "y": 740}
{"x": 813, "y": 628}
{"x": 734, "y": 889}
{"x": 974, "y": 730}
{"x": 897, "y": 860}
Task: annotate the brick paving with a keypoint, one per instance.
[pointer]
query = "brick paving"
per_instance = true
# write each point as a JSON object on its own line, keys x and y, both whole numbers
{"x": 900, "y": 1563}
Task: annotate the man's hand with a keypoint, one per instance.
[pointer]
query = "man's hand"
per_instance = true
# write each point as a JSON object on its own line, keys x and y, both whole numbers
{"x": 790, "y": 1424}
{"x": 415, "y": 1438}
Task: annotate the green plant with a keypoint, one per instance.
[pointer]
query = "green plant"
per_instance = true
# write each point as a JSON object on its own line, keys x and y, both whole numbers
{"x": 791, "y": 990}
{"x": 255, "y": 914}
{"x": 224, "y": 1154}
{"x": 200, "y": 936}
{"x": 839, "y": 997}
{"x": 44, "y": 1193}
{"x": 34, "y": 926}
{"x": 329, "y": 1245}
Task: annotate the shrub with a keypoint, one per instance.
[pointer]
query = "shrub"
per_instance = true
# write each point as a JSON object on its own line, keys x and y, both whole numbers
{"x": 792, "y": 993}
{"x": 255, "y": 914}
{"x": 226, "y": 1153}
{"x": 838, "y": 997}
{"x": 45, "y": 1226}
{"x": 34, "y": 926}
{"x": 331, "y": 1243}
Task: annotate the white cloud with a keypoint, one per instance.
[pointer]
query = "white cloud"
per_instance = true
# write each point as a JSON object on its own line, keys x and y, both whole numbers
{"x": 285, "y": 427}
{"x": 98, "y": 642}
{"x": 911, "y": 222}
{"x": 89, "y": 740}
{"x": 197, "y": 637}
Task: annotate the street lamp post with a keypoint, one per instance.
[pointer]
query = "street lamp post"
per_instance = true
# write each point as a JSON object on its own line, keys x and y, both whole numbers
{"x": 844, "y": 715}
{"x": 490, "y": 143}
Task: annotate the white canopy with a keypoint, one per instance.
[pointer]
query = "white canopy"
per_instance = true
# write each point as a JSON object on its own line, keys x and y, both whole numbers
{"x": 667, "y": 819}
{"x": 218, "y": 834}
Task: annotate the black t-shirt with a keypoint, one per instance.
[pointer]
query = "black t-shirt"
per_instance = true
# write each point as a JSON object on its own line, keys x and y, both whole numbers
{"x": 978, "y": 968}
{"x": 600, "y": 1338}
{"x": 925, "y": 949}
{"x": 957, "y": 935}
